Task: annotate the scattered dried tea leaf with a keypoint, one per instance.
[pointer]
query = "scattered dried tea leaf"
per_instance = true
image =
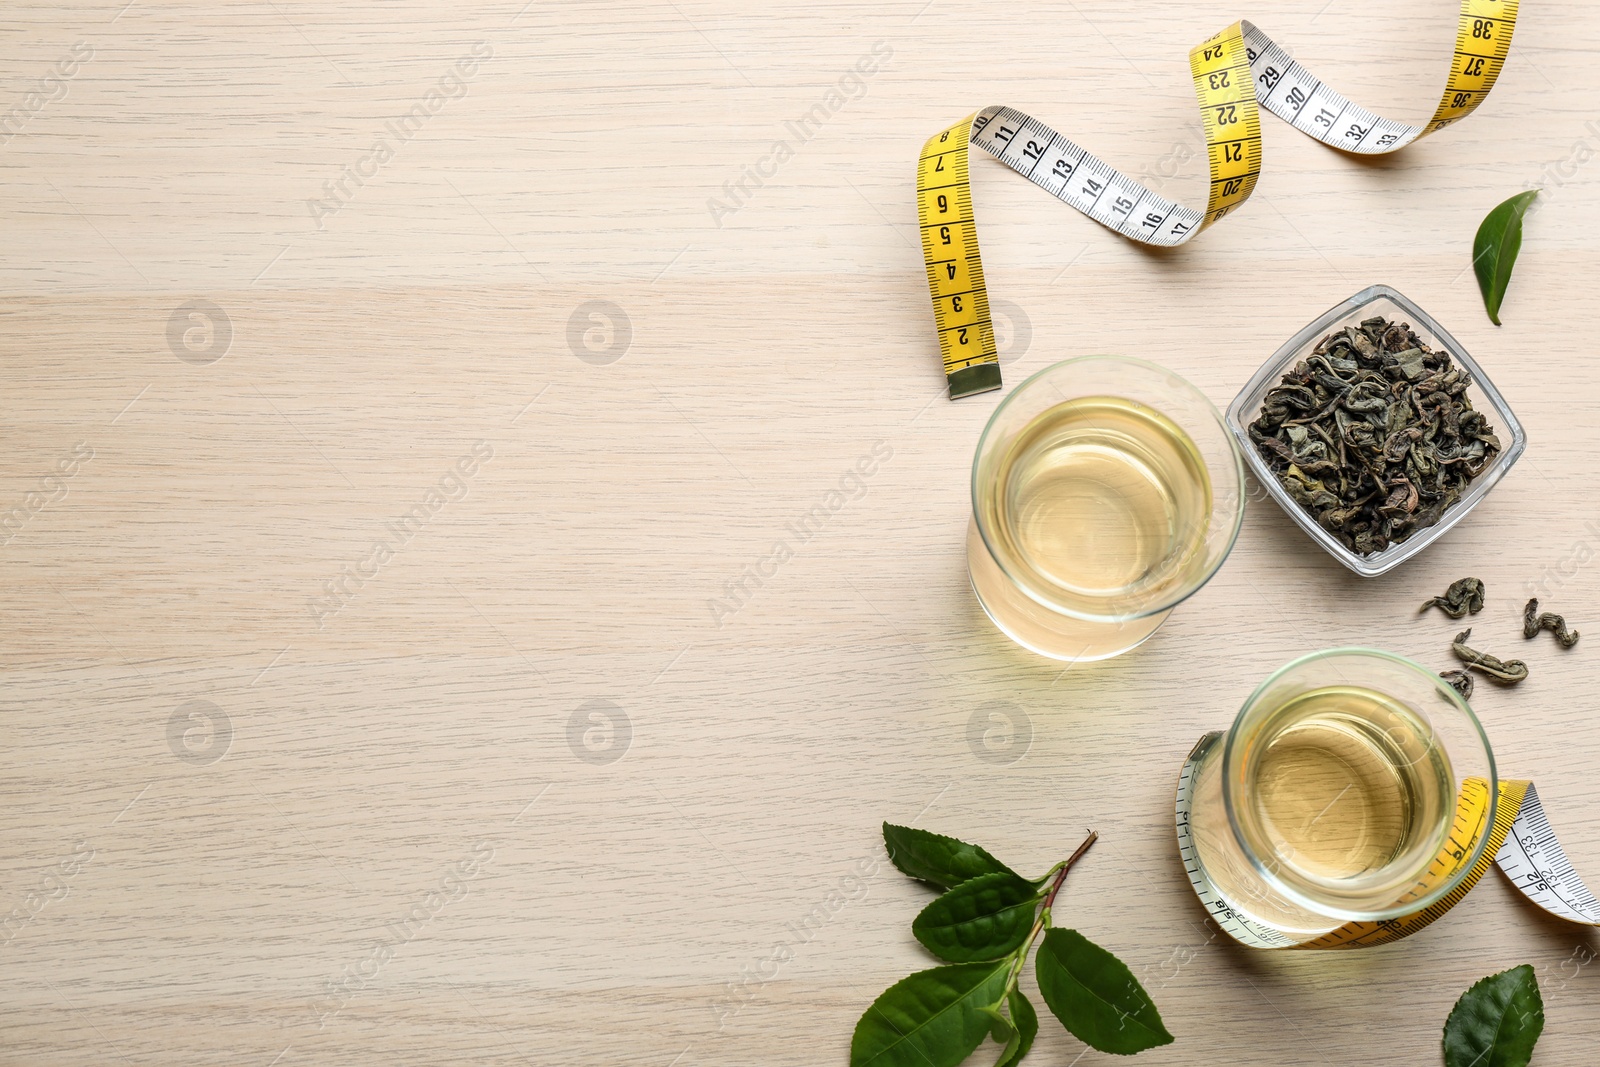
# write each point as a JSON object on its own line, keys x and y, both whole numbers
{"x": 1506, "y": 672}
{"x": 1533, "y": 622}
{"x": 1374, "y": 434}
{"x": 1460, "y": 681}
{"x": 1464, "y": 595}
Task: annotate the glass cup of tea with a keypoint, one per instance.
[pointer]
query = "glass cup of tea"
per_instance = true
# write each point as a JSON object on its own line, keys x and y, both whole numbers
{"x": 1105, "y": 491}
{"x": 1354, "y": 785}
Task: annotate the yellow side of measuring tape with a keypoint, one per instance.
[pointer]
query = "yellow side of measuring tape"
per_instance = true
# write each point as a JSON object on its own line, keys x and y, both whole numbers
{"x": 1236, "y": 72}
{"x": 1520, "y": 842}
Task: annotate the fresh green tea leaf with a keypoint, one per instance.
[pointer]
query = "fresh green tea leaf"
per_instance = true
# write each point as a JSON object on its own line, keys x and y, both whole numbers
{"x": 1000, "y": 1027}
{"x": 1496, "y": 1022}
{"x": 1095, "y": 995}
{"x": 1495, "y": 248}
{"x": 940, "y": 861}
{"x": 983, "y": 918}
{"x": 1025, "y": 1027}
{"x": 933, "y": 1018}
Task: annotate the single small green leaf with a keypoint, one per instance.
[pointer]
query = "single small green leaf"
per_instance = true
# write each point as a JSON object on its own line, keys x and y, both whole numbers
{"x": 983, "y": 918}
{"x": 1000, "y": 1027}
{"x": 1095, "y": 995}
{"x": 933, "y": 1018}
{"x": 940, "y": 861}
{"x": 1496, "y": 1022}
{"x": 1495, "y": 248}
{"x": 1025, "y": 1027}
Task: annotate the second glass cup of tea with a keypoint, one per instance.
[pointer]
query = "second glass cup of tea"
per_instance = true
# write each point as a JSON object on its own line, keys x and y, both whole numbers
{"x": 1105, "y": 491}
{"x": 1354, "y": 785}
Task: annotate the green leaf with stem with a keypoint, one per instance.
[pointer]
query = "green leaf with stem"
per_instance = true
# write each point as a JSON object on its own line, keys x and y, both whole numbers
{"x": 934, "y": 1018}
{"x": 1095, "y": 995}
{"x": 1019, "y": 1031}
{"x": 938, "y": 1017}
{"x": 1495, "y": 248}
{"x": 941, "y": 861}
{"x": 1056, "y": 877}
{"x": 1496, "y": 1022}
{"x": 983, "y": 918}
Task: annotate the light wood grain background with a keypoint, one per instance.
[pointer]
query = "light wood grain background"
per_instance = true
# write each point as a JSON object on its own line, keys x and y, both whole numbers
{"x": 381, "y": 838}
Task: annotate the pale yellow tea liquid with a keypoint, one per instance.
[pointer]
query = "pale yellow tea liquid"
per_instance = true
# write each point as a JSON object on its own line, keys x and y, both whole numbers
{"x": 1100, "y": 505}
{"x": 1349, "y": 792}
{"x": 1345, "y": 799}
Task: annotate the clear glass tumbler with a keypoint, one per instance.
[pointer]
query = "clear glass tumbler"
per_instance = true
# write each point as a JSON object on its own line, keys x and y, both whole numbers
{"x": 1333, "y": 797}
{"x": 1105, "y": 491}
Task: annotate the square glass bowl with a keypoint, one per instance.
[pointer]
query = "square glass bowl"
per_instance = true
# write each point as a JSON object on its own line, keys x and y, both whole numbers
{"x": 1376, "y": 300}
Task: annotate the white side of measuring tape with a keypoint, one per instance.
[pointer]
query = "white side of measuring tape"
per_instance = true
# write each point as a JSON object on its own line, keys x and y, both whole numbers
{"x": 1536, "y": 864}
{"x": 1080, "y": 179}
{"x": 1300, "y": 98}
{"x": 1246, "y": 932}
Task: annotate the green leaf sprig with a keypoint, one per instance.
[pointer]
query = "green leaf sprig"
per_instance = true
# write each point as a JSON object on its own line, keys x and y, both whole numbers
{"x": 1496, "y": 1022}
{"x": 1495, "y": 248}
{"x": 984, "y": 923}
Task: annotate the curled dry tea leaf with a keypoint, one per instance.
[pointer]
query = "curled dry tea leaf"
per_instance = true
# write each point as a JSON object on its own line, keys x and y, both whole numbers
{"x": 983, "y": 918}
{"x": 1496, "y": 1022}
{"x": 1495, "y": 248}
{"x": 933, "y": 1018}
{"x": 1460, "y": 681}
{"x": 1464, "y": 595}
{"x": 942, "y": 862}
{"x": 1095, "y": 995}
{"x": 1507, "y": 672}
{"x": 1533, "y": 622}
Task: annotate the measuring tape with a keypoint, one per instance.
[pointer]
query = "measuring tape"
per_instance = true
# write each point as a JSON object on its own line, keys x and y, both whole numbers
{"x": 1234, "y": 72}
{"x": 1520, "y": 842}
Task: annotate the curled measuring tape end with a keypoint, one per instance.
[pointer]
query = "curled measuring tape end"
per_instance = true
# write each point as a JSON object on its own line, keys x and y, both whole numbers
{"x": 955, "y": 271}
{"x": 1236, "y": 73}
{"x": 1520, "y": 842}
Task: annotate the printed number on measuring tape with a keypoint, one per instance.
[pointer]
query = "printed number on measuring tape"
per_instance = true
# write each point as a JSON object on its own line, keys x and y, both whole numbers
{"x": 1236, "y": 72}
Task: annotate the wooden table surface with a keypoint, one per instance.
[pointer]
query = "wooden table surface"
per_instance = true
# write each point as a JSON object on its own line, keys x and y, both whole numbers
{"x": 391, "y": 393}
